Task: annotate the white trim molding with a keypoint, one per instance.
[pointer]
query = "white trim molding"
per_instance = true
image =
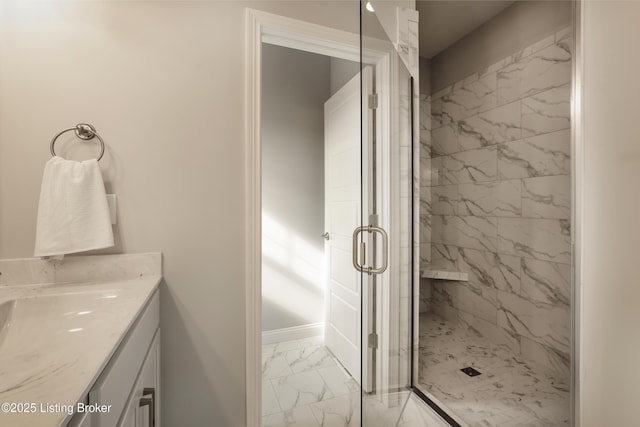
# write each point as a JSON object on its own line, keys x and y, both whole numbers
{"x": 253, "y": 220}
{"x": 294, "y": 333}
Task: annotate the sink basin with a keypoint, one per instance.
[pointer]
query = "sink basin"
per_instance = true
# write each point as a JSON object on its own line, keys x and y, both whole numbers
{"x": 52, "y": 320}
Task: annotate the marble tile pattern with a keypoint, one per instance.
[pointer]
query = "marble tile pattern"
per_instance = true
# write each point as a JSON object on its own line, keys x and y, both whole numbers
{"x": 422, "y": 200}
{"x": 425, "y": 204}
{"x": 34, "y": 271}
{"x": 511, "y": 391}
{"x": 496, "y": 195}
{"x": 445, "y": 275}
{"x": 300, "y": 375}
{"x": 303, "y": 385}
{"x": 407, "y": 40}
{"x": 424, "y": 299}
{"x": 417, "y": 414}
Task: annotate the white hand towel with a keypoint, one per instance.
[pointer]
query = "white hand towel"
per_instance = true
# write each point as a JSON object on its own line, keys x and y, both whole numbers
{"x": 73, "y": 215}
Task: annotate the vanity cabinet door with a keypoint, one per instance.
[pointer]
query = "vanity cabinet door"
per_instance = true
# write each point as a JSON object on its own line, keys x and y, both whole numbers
{"x": 130, "y": 413}
{"x": 115, "y": 384}
{"x": 80, "y": 420}
{"x": 150, "y": 386}
{"x": 143, "y": 408}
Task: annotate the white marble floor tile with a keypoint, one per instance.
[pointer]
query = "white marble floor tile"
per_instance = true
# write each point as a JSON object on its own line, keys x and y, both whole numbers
{"x": 323, "y": 394}
{"x": 281, "y": 347}
{"x": 296, "y": 417}
{"x": 270, "y": 403}
{"x": 274, "y": 365}
{"x": 339, "y": 382}
{"x": 300, "y": 389}
{"x": 510, "y": 391}
{"x": 384, "y": 410}
{"x": 343, "y": 411}
{"x": 417, "y": 414}
{"x": 309, "y": 358}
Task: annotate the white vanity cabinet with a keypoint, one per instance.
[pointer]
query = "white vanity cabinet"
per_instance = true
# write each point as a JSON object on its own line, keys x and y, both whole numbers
{"x": 142, "y": 409}
{"x": 130, "y": 382}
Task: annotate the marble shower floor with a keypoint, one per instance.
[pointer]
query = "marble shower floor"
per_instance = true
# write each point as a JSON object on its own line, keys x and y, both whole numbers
{"x": 304, "y": 386}
{"x": 510, "y": 392}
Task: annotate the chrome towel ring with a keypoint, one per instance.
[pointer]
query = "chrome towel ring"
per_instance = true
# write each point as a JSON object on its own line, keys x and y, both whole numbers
{"x": 85, "y": 132}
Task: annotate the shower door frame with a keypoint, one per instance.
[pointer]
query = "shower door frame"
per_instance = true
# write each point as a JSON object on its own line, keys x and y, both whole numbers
{"x": 292, "y": 33}
{"x": 577, "y": 186}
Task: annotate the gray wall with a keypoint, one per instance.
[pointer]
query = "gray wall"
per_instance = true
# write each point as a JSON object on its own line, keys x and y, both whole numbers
{"x": 385, "y": 18}
{"x": 609, "y": 343}
{"x": 295, "y": 85}
{"x": 164, "y": 84}
{"x": 425, "y": 76}
{"x": 520, "y": 25}
{"x": 341, "y": 72}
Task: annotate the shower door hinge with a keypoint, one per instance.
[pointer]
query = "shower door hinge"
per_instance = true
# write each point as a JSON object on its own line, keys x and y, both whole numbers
{"x": 373, "y": 101}
{"x": 373, "y": 340}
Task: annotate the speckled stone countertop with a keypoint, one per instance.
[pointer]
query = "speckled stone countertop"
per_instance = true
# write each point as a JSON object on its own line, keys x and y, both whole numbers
{"x": 58, "y": 332}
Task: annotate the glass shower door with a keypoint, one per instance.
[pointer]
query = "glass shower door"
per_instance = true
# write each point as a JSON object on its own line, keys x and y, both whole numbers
{"x": 382, "y": 245}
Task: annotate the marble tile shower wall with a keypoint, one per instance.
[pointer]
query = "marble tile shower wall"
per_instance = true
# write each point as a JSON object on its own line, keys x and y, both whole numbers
{"x": 425, "y": 197}
{"x": 499, "y": 201}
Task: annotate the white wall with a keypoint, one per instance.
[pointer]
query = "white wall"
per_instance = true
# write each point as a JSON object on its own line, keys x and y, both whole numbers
{"x": 295, "y": 86}
{"x": 610, "y": 342}
{"x": 163, "y": 82}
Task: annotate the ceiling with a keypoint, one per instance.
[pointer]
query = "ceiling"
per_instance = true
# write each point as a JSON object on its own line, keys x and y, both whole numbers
{"x": 442, "y": 23}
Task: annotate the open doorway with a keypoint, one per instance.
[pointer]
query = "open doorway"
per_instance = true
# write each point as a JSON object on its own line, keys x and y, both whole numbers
{"x": 303, "y": 95}
{"x": 373, "y": 293}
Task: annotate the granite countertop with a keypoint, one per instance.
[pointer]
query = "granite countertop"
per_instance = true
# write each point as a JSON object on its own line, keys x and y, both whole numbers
{"x": 61, "y": 335}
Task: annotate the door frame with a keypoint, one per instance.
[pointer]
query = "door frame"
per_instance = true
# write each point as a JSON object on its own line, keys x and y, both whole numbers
{"x": 287, "y": 32}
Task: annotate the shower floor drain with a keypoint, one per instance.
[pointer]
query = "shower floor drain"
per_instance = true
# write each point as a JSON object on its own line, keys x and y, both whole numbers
{"x": 470, "y": 371}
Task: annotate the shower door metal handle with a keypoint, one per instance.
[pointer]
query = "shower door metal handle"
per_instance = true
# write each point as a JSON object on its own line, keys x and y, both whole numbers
{"x": 359, "y": 265}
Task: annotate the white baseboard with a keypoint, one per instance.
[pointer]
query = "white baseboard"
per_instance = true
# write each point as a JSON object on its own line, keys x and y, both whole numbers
{"x": 293, "y": 333}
